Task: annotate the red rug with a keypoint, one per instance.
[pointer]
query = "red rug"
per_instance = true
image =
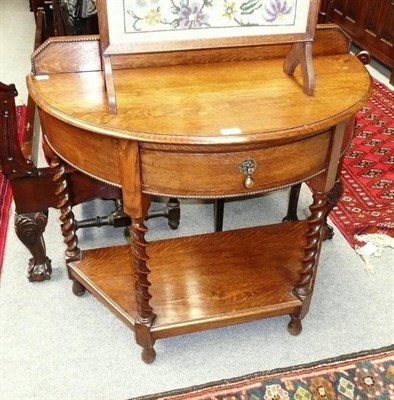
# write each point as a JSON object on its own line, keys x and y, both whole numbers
{"x": 367, "y": 204}
{"x": 367, "y": 375}
{"x": 5, "y": 189}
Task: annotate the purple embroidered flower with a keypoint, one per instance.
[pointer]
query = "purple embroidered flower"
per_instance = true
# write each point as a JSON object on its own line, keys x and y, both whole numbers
{"x": 276, "y": 10}
{"x": 192, "y": 16}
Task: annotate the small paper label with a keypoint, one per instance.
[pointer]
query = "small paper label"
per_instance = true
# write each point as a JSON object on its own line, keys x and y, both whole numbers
{"x": 42, "y": 77}
{"x": 230, "y": 131}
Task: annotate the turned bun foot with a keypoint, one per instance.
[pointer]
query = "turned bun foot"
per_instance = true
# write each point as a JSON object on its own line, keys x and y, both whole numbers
{"x": 78, "y": 289}
{"x": 148, "y": 355}
{"x": 295, "y": 326}
{"x": 39, "y": 272}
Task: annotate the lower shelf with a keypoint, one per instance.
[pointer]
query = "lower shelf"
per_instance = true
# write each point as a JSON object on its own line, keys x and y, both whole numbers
{"x": 203, "y": 281}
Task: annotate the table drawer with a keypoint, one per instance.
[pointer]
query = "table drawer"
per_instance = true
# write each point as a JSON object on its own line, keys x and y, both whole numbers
{"x": 182, "y": 172}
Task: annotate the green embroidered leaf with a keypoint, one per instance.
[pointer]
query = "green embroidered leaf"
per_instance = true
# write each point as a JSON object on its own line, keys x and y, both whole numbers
{"x": 174, "y": 24}
{"x": 250, "y": 6}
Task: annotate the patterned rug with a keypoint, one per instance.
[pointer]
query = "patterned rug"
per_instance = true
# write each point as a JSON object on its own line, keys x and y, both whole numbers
{"x": 367, "y": 375}
{"x": 5, "y": 189}
{"x": 367, "y": 204}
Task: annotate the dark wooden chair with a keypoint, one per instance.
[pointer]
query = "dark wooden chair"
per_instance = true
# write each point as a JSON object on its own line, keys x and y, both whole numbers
{"x": 33, "y": 188}
{"x": 75, "y": 17}
{"x": 67, "y": 17}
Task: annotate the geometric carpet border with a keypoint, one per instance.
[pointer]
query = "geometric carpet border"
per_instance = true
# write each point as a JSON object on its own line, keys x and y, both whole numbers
{"x": 361, "y": 375}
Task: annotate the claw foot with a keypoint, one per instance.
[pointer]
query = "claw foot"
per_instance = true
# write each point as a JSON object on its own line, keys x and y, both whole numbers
{"x": 39, "y": 272}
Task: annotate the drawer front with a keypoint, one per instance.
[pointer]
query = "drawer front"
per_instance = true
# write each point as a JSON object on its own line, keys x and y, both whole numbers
{"x": 186, "y": 173}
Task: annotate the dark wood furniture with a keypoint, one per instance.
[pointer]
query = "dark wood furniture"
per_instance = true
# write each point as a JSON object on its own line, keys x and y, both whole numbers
{"x": 176, "y": 286}
{"x": 33, "y": 188}
{"x": 370, "y": 24}
{"x": 63, "y": 21}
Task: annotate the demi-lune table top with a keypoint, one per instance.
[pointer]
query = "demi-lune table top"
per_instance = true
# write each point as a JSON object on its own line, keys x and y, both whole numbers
{"x": 217, "y": 103}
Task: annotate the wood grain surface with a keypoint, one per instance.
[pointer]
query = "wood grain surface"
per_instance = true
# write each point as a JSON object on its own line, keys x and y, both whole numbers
{"x": 219, "y": 103}
{"x": 203, "y": 281}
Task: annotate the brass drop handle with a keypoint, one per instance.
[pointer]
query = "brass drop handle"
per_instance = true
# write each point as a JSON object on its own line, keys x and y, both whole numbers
{"x": 247, "y": 167}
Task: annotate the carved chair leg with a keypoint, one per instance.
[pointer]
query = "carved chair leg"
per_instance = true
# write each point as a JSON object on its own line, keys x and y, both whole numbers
{"x": 290, "y": 216}
{"x": 30, "y": 228}
{"x": 172, "y": 211}
{"x": 117, "y": 218}
{"x": 293, "y": 203}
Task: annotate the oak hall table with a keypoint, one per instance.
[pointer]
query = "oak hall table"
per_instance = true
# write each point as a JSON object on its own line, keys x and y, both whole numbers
{"x": 209, "y": 130}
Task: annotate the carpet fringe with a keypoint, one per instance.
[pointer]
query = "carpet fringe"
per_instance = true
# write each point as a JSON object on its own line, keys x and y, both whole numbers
{"x": 373, "y": 246}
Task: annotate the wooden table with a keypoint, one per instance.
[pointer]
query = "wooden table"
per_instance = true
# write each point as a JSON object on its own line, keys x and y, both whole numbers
{"x": 212, "y": 130}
